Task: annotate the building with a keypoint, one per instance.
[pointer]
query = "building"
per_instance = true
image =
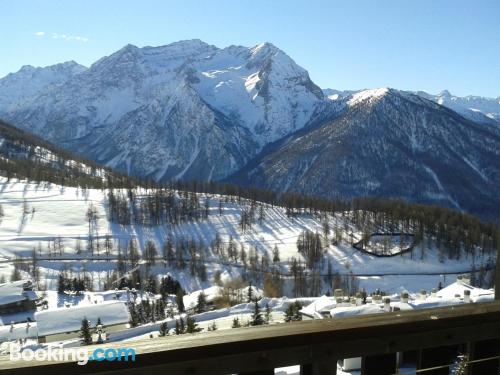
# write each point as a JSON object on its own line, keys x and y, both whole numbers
{"x": 457, "y": 293}
{"x": 17, "y": 297}
{"x": 64, "y": 324}
{"x": 21, "y": 331}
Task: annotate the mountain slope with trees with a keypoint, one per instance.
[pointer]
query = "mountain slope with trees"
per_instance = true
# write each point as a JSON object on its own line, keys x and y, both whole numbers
{"x": 388, "y": 143}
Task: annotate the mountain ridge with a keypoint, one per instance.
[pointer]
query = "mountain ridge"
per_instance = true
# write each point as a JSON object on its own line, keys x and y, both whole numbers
{"x": 193, "y": 111}
{"x": 186, "y": 90}
{"x": 392, "y": 144}
{"x": 480, "y": 109}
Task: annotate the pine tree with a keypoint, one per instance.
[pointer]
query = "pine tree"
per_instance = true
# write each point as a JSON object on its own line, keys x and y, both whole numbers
{"x": 150, "y": 253}
{"x": 16, "y": 274}
{"x": 236, "y": 323}
{"x": 257, "y": 319}
{"x": 180, "y": 301}
{"x": 201, "y": 304}
{"x": 152, "y": 285}
{"x": 292, "y": 313}
{"x": 268, "y": 314}
{"x": 168, "y": 252}
{"x": 163, "y": 329}
{"x": 160, "y": 309}
{"x": 133, "y": 254}
{"x": 61, "y": 284}
{"x": 182, "y": 327}
{"x": 192, "y": 326}
{"x": 134, "y": 315}
{"x": 85, "y": 332}
{"x": 276, "y": 254}
{"x": 212, "y": 327}
{"x": 249, "y": 293}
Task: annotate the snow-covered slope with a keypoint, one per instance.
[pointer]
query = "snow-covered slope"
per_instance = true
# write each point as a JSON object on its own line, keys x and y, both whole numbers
{"x": 185, "y": 110}
{"x": 29, "y": 81}
{"x": 24, "y": 155}
{"x": 37, "y": 216}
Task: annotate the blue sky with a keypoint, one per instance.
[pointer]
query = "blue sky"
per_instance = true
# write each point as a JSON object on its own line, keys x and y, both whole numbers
{"x": 417, "y": 45}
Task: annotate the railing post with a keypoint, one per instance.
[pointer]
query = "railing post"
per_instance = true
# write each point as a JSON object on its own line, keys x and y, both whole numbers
{"x": 383, "y": 364}
{"x": 497, "y": 277}
{"x": 436, "y": 357}
{"x": 260, "y": 372}
{"x": 319, "y": 368}
{"x": 481, "y": 350}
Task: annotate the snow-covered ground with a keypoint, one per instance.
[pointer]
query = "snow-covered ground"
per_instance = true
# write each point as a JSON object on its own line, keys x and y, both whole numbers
{"x": 388, "y": 244}
{"x": 37, "y": 214}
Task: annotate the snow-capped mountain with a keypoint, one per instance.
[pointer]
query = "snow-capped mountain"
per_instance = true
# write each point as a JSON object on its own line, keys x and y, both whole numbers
{"x": 388, "y": 143}
{"x": 16, "y": 88}
{"x": 333, "y": 94}
{"x": 190, "y": 110}
{"x": 185, "y": 110}
{"x": 476, "y": 108}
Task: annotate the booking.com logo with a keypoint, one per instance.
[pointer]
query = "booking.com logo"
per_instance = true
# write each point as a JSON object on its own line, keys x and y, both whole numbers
{"x": 80, "y": 355}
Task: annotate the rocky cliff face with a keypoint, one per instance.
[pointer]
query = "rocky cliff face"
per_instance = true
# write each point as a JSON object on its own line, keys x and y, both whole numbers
{"x": 185, "y": 110}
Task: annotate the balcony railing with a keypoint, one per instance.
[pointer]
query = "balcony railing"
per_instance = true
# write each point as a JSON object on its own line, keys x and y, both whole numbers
{"x": 430, "y": 336}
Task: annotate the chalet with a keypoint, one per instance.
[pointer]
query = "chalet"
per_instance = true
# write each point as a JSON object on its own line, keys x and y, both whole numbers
{"x": 16, "y": 297}
{"x": 65, "y": 323}
{"x": 339, "y": 306}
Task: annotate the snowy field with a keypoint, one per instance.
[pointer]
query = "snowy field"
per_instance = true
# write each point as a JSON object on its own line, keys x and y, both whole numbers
{"x": 388, "y": 244}
{"x": 36, "y": 214}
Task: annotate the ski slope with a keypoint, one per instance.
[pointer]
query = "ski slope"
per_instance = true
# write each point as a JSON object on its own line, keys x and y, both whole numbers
{"x": 35, "y": 214}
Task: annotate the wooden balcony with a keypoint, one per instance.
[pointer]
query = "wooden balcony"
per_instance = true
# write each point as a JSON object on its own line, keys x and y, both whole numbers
{"x": 430, "y": 334}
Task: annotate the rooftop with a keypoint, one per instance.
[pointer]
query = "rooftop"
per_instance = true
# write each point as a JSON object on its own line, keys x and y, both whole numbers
{"x": 69, "y": 319}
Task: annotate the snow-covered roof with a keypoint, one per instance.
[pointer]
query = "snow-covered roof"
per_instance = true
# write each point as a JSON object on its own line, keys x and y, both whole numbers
{"x": 70, "y": 319}
{"x": 14, "y": 292}
{"x": 432, "y": 302}
{"x": 458, "y": 288}
{"x": 18, "y": 331}
{"x": 320, "y": 304}
{"x": 429, "y": 302}
{"x": 341, "y": 312}
{"x": 402, "y": 306}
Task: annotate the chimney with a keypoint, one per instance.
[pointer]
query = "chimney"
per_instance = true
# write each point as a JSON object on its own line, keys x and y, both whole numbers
{"x": 466, "y": 279}
{"x": 359, "y": 299}
{"x": 404, "y": 297}
{"x": 434, "y": 293}
{"x": 423, "y": 294}
{"x": 467, "y": 296}
{"x": 337, "y": 293}
{"x": 387, "y": 304}
{"x": 459, "y": 279}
